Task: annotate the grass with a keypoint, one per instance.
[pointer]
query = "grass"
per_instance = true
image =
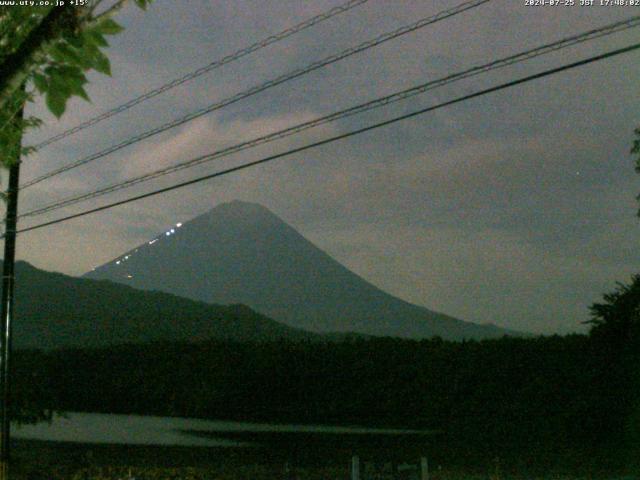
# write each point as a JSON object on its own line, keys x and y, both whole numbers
{"x": 40, "y": 460}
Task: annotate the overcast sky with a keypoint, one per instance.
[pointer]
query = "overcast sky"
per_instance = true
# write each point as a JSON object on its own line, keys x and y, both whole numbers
{"x": 516, "y": 208}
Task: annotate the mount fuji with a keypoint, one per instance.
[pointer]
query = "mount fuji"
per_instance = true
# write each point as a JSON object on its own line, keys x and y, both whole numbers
{"x": 242, "y": 253}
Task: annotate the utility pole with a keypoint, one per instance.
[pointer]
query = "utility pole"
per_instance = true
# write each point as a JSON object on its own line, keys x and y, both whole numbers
{"x": 8, "y": 282}
{"x": 13, "y": 72}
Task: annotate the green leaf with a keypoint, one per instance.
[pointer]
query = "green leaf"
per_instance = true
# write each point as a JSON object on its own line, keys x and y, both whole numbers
{"x": 28, "y": 151}
{"x": 67, "y": 80}
{"x": 143, "y": 3}
{"x": 71, "y": 72}
{"x": 64, "y": 53}
{"x": 31, "y": 122}
{"x": 96, "y": 38}
{"x": 76, "y": 87}
{"x": 108, "y": 27}
{"x": 81, "y": 92}
{"x": 56, "y": 102}
{"x": 86, "y": 59}
{"x": 58, "y": 83}
{"x": 41, "y": 82}
{"x": 101, "y": 63}
{"x": 74, "y": 39}
{"x": 88, "y": 55}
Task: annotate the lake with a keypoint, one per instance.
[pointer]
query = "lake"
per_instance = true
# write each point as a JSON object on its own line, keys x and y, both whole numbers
{"x": 149, "y": 430}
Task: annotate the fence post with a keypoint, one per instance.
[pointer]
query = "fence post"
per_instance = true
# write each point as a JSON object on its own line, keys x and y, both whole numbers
{"x": 355, "y": 468}
{"x": 424, "y": 468}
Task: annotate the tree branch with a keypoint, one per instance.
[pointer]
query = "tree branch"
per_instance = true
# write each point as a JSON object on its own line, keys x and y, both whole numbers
{"x": 112, "y": 9}
{"x": 18, "y": 65}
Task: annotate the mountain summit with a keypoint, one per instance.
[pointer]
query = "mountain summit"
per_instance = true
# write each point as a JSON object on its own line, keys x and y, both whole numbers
{"x": 242, "y": 253}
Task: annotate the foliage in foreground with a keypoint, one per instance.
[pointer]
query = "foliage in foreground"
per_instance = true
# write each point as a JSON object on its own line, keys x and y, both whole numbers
{"x": 47, "y": 50}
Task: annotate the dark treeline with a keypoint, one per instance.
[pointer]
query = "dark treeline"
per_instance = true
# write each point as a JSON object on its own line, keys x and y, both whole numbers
{"x": 548, "y": 400}
{"x": 555, "y": 402}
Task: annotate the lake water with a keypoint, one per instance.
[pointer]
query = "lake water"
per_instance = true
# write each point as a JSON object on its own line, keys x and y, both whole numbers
{"x": 148, "y": 430}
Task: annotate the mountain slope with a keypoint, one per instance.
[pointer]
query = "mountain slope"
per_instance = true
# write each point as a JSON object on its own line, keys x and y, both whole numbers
{"x": 242, "y": 253}
{"x": 55, "y": 310}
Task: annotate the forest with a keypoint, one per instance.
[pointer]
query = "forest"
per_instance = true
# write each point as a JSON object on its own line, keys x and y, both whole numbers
{"x": 570, "y": 401}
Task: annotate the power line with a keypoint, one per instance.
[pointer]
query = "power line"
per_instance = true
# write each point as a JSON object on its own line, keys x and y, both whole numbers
{"x": 264, "y": 86}
{"x": 205, "y": 69}
{"x": 341, "y": 136}
{"x": 377, "y": 103}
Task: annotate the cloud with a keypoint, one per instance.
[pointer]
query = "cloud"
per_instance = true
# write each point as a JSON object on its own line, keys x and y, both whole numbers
{"x": 517, "y": 207}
